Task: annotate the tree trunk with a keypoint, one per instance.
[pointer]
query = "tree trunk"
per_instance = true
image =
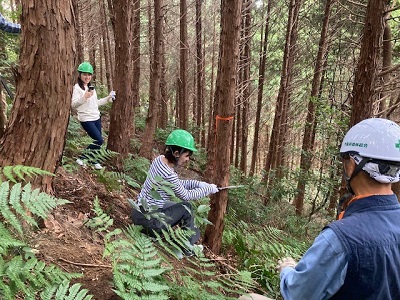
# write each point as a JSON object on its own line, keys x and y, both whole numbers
{"x": 35, "y": 135}
{"x": 199, "y": 74}
{"x": 310, "y": 126}
{"x": 155, "y": 76}
{"x": 387, "y": 52}
{"x": 183, "y": 66}
{"x": 106, "y": 46}
{"x": 211, "y": 122}
{"x": 164, "y": 93}
{"x": 78, "y": 30}
{"x": 127, "y": 60}
{"x": 261, "y": 78}
{"x": 275, "y": 158}
{"x": 247, "y": 86}
{"x": 225, "y": 97}
{"x": 367, "y": 66}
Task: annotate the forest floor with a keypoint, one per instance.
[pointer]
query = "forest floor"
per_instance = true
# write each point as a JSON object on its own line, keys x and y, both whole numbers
{"x": 68, "y": 243}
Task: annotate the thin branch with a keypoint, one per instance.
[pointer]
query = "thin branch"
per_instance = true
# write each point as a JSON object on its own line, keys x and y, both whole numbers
{"x": 84, "y": 265}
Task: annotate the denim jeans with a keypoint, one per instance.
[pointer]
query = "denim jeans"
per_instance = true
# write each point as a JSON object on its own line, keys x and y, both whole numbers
{"x": 93, "y": 129}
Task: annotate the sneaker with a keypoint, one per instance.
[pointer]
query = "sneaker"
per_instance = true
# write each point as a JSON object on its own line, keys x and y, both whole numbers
{"x": 98, "y": 166}
{"x": 198, "y": 249}
{"x": 80, "y": 162}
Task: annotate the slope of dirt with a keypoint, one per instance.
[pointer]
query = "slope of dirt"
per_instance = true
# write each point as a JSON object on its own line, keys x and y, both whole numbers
{"x": 68, "y": 243}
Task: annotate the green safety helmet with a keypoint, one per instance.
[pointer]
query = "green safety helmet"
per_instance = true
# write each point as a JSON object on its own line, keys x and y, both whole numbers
{"x": 85, "y": 67}
{"x": 181, "y": 138}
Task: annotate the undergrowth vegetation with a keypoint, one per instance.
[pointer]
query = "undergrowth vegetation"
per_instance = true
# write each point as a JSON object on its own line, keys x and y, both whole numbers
{"x": 255, "y": 237}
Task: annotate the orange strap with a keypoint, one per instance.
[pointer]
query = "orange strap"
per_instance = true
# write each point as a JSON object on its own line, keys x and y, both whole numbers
{"x": 355, "y": 198}
{"x": 222, "y": 119}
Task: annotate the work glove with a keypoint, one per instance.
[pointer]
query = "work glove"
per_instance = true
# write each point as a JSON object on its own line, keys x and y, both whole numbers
{"x": 286, "y": 262}
{"x": 214, "y": 188}
{"x": 203, "y": 184}
{"x": 112, "y": 95}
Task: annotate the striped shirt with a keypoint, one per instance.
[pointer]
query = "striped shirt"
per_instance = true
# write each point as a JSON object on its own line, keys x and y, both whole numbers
{"x": 185, "y": 190}
{"x": 8, "y": 26}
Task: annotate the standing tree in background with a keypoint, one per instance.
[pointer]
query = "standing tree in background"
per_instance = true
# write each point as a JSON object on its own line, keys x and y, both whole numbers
{"x": 127, "y": 60}
{"x": 155, "y": 78}
{"x": 219, "y": 161}
{"x": 275, "y": 162}
{"x": 260, "y": 89}
{"x": 247, "y": 84}
{"x": 311, "y": 123}
{"x": 35, "y": 134}
{"x": 367, "y": 67}
{"x": 199, "y": 116}
{"x": 183, "y": 66}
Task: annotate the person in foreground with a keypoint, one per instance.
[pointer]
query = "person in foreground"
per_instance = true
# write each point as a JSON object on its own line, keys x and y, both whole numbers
{"x": 85, "y": 101}
{"x": 179, "y": 146}
{"x": 358, "y": 255}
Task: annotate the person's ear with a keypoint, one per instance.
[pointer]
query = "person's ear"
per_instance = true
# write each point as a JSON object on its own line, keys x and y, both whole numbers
{"x": 349, "y": 166}
{"x": 176, "y": 154}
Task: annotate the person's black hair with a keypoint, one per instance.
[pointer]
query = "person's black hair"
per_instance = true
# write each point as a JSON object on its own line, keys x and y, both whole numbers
{"x": 80, "y": 82}
{"x": 170, "y": 150}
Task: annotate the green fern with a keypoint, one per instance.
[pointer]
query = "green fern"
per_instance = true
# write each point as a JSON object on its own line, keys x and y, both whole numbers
{"x": 101, "y": 221}
{"x": 122, "y": 176}
{"x": 21, "y": 273}
{"x": 137, "y": 269}
{"x": 17, "y": 205}
{"x": 19, "y": 172}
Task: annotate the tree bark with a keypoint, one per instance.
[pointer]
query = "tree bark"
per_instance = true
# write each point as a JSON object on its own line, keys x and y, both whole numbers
{"x": 310, "y": 126}
{"x": 106, "y": 46}
{"x": 367, "y": 66}
{"x": 261, "y": 78}
{"x": 183, "y": 66}
{"x": 127, "y": 60}
{"x": 36, "y": 131}
{"x": 275, "y": 158}
{"x": 224, "y": 96}
{"x": 199, "y": 75}
{"x": 247, "y": 86}
{"x": 155, "y": 76}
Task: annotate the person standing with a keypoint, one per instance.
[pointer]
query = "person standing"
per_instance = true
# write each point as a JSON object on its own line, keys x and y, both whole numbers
{"x": 85, "y": 101}
{"x": 179, "y": 146}
{"x": 358, "y": 255}
{"x": 9, "y": 27}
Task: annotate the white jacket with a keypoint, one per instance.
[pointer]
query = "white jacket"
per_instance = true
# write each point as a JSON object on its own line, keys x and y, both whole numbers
{"x": 88, "y": 109}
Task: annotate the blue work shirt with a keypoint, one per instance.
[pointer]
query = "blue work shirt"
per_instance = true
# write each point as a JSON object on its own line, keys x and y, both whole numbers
{"x": 8, "y": 26}
{"x": 320, "y": 273}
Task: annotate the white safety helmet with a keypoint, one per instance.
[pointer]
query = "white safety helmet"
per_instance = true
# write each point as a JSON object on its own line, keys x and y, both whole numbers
{"x": 374, "y": 138}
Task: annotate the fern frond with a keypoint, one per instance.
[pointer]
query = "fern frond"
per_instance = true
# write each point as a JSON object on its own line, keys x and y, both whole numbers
{"x": 39, "y": 203}
{"x": 129, "y": 180}
{"x": 101, "y": 221}
{"x": 13, "y": 173}
{"x": 5, "y": 210}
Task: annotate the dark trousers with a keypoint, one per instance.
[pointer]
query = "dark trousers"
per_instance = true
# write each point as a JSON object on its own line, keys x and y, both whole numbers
{"x": 176, "y": 214}
{"x": 93, "y": 129}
